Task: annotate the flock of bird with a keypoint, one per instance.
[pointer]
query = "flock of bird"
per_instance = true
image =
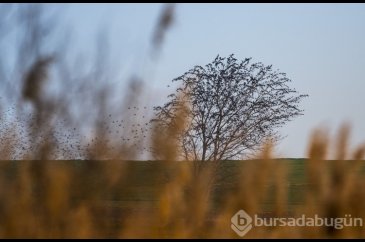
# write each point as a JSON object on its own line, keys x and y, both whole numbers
{"x": 71, "y": 142}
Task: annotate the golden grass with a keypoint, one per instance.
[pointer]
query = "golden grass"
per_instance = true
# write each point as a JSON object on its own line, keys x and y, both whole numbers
{"x": 41, "y": 199}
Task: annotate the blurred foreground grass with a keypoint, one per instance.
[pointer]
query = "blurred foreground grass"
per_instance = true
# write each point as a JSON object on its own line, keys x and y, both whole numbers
{"x": 108, "y": 205}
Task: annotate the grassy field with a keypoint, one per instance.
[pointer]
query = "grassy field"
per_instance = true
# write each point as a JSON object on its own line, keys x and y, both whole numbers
{"x": 114, "y": 196}
{"x": 144, "y": 180}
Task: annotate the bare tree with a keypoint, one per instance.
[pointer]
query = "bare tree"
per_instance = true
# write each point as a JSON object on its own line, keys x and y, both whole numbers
{"x": 234, "y": 106}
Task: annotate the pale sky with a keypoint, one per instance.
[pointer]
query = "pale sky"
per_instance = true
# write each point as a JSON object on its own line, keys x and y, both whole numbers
{"x": 319, "y": 46}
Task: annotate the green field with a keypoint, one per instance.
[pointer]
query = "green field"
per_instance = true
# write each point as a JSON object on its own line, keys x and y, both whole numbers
{"x": 139, "y": 187}
{"x": 143, "y": 181}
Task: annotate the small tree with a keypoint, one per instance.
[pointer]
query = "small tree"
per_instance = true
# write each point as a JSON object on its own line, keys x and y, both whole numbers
{"x": 234, "y": 106}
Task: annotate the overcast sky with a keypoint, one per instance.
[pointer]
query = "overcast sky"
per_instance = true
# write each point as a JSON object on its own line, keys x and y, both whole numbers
{"x": 319, "y": 46}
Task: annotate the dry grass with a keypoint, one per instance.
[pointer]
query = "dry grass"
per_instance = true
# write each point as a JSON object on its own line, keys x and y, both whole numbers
{"x": 45, "y": 199}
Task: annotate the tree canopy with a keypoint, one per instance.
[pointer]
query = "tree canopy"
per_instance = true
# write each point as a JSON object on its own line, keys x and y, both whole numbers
{"x": 233, "y": 107}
